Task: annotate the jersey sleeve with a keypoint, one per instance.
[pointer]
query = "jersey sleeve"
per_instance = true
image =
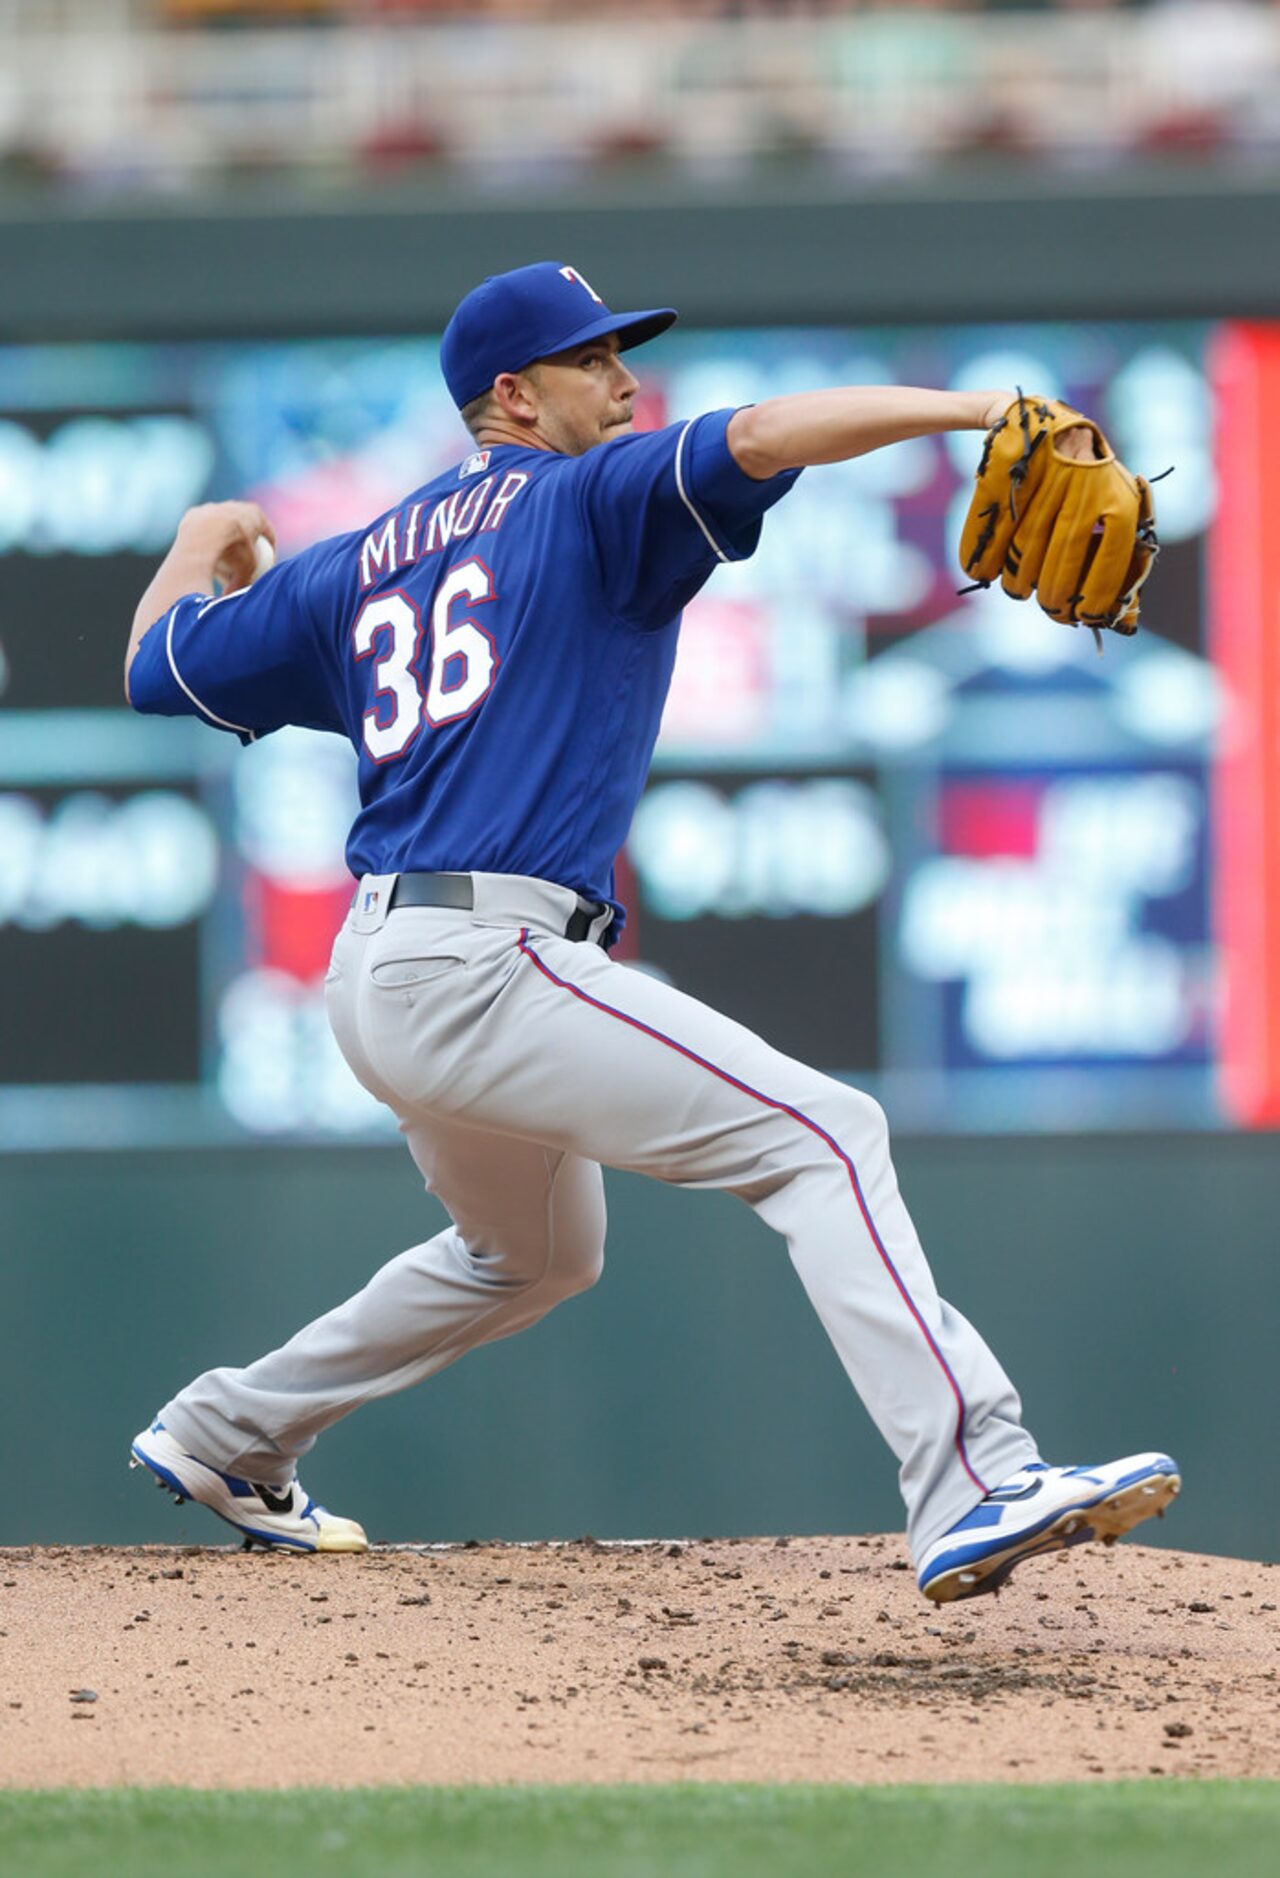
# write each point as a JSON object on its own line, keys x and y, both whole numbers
{"x": 667, "y": 507}
{"x": 248, "y": 663}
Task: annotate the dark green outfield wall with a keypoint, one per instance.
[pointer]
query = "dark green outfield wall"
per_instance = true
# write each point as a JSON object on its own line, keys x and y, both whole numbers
{"x": 997, "y": 242}
{"x": 1131, "y": 1286}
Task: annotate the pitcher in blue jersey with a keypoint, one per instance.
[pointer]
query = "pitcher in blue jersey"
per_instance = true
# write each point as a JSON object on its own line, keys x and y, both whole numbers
{"x": 498, "y": 649}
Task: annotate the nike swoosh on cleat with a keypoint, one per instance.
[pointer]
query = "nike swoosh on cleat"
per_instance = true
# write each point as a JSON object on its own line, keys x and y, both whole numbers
{"x": 274, "y": 1502}
{"x": 1006, "y": 1496}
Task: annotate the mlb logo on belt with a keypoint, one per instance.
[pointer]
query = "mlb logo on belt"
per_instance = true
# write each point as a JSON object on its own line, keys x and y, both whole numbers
{"x": 370, "y": 900}
{"x": 472, "y": 466}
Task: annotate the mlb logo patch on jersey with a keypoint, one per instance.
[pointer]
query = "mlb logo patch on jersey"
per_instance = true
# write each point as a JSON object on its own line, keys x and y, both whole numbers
{"x": 477, "y": 461}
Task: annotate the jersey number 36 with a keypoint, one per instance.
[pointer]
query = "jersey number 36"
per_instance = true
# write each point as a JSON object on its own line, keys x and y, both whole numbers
{"x": 460, "y": 672}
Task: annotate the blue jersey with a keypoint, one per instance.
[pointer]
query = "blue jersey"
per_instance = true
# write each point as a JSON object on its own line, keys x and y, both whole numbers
{"x": 498, "y": 649}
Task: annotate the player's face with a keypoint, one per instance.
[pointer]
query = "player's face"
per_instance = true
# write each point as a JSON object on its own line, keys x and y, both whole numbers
{"x": 583, "y": 395}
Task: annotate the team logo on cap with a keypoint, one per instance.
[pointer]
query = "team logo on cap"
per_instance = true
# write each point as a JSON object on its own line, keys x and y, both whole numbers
{"x": 571, "y": 273}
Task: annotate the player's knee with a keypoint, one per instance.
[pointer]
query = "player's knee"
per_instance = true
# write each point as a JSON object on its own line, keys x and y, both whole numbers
{"x": 577, "y": 1224}
{"x": 854, "y": 1120}
{"x": 871, "y": 1118}
{"x": 579, "y": 1265}
{"x": 871, "y": 1126}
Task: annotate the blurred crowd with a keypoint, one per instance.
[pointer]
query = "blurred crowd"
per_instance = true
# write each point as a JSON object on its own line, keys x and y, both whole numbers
{"x": 54, "y": 14}
{"x": 256, "y": 11}
{"x": 114, "y": 96}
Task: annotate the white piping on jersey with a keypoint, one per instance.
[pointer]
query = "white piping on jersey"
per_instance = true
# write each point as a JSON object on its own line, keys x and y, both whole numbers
{"x": 221, "y": 600}
{"x": 684, "y": 494}
{"x": 213, "y": 717}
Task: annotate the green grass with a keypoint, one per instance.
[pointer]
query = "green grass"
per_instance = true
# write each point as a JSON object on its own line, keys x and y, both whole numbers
{"x": 1147, "y": 1829}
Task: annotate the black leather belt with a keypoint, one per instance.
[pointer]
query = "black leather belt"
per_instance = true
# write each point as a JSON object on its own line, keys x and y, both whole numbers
{"x": 458, "y": 890}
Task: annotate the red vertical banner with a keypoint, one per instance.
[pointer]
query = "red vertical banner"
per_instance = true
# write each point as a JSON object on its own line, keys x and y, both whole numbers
{"x": 1244, "y": 641}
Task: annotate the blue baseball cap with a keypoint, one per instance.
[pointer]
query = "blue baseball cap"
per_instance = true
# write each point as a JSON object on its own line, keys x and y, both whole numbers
{"x": 510, "y": 320}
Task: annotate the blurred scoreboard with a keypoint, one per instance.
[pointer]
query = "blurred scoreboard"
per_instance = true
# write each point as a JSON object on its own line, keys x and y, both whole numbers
{"x": 933, "y": 845}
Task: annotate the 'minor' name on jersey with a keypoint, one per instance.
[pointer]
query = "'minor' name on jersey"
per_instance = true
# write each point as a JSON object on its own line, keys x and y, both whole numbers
{"x": 404, "y": 538}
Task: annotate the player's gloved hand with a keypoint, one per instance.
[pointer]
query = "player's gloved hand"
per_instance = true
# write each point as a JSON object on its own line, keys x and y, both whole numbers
{"x": 226, "y": 534}
{"x": 1055, "y": 513}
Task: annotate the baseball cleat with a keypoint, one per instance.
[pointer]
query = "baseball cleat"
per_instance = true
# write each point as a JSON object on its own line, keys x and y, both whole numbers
{"x": 271, "y": 1516}
{"x": 1044, "y": 1509}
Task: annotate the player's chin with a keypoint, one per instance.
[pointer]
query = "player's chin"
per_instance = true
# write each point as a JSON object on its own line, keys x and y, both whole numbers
{"x": 623, "y": 427}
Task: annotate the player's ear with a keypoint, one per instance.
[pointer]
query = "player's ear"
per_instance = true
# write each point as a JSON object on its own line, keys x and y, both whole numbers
{"x": 516, "y": 397}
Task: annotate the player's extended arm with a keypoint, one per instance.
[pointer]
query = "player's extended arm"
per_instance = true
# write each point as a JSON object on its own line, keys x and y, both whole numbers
{"x": 217, "y": 540}
{"x": 832, "y": 426}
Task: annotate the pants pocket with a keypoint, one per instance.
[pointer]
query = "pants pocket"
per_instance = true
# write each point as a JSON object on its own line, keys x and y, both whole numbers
{"x": 402, "y": 974}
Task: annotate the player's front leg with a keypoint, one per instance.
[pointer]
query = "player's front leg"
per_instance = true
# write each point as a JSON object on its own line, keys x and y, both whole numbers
{"x": 621, "y": 1067}
{"x": 698, "y": 1100}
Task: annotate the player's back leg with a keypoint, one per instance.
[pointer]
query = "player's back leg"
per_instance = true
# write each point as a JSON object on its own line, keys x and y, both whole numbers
{"x": 527, "y": 1232}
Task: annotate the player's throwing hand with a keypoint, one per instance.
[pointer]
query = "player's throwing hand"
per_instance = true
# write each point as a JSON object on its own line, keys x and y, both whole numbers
{"x": 227, "y": 543}
{"x": 229, "y": 533}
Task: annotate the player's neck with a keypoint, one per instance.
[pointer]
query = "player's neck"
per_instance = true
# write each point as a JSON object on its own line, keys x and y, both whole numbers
{"x": 499, "y": 431}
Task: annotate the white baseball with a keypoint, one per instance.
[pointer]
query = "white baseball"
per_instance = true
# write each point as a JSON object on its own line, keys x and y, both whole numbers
{"x": 264, "y": 556}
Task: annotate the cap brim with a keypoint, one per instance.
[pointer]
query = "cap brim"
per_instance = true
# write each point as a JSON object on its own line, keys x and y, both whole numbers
{"x": 641, "y": 326}
{"x": 632, "y": 329}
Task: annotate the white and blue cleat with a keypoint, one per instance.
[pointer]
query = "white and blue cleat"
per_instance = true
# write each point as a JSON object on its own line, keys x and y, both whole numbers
{"x": 286, "y": 1517}
{"x": 1044, "y": 1509}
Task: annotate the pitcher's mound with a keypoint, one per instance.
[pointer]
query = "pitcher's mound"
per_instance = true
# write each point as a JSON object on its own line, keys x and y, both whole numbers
{"x": 754, "y": 1659}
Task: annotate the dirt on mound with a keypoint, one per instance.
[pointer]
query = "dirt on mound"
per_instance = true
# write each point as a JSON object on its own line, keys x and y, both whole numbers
{"x": 759, "y": 1659}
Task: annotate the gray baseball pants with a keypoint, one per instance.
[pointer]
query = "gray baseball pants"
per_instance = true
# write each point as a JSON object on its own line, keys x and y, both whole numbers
{"x": 517, "y": 1062}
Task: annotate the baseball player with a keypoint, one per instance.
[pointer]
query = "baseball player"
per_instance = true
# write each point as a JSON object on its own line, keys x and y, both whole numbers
{"x": 497, "y": 648}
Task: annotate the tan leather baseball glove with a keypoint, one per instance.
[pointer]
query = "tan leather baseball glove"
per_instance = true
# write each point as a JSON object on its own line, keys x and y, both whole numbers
{"x": 1055, "y": 513}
